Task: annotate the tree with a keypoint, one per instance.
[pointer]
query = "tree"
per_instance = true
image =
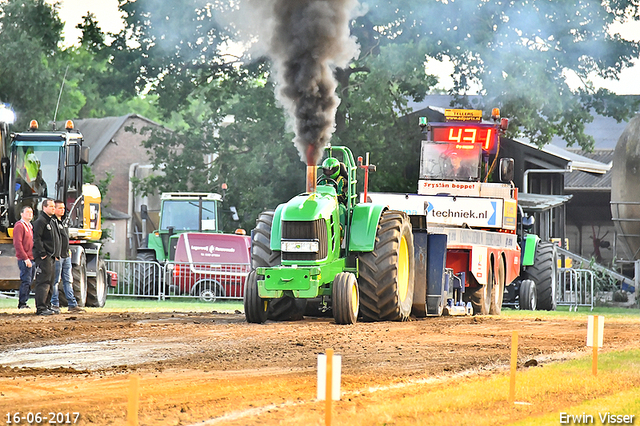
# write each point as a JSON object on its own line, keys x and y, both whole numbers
{"x": 519, "y": 54}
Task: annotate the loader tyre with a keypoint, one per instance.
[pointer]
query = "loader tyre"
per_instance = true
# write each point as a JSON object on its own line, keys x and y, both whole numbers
{"x": 544, "y": 272}
{"x": 97, "y": 287}
{"x": 79, "y": 273}
{"x": 146, "y": 278}
{"x": 386, "y": 274}
{"x": 527, "y": 295}
{"x": 255, "y": 308}
{"x": 345, "y": 298}
{"x": 285, "y": 308}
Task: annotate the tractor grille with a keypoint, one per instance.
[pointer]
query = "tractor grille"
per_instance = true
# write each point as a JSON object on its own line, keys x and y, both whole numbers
{"x": 316, "y": 230}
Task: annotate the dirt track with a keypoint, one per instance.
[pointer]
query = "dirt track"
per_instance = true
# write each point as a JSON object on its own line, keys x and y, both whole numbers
{"x": 199, "y": 366}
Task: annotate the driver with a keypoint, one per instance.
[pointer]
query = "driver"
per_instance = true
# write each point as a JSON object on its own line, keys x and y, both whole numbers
{"x": 334, "y": 169}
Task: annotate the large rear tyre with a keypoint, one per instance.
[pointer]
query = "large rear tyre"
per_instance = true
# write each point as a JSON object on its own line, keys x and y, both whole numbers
{"x": 528, "y": 295}
{"x": 544, "y": 272}
{"x": 255, "y": 308}
{"x": 345, "y": 298}
{"x": 386, "y": 274}
{"x": 79, "y": 273}
{"x": 498, "y": 289}
{"x": 97, "y": 287}
{"x": 285, "y": 308}
{"x": 146, "y": 279}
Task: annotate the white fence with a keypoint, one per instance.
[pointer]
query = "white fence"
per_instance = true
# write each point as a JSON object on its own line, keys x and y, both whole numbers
{"x": 574, "y": 288}
{"x": 206, "y": 281}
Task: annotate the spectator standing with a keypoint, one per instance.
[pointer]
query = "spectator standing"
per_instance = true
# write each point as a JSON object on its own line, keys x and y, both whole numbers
{"x": 23, "y": 243}
{"x": 46, "y": 248}
{"x": 63, "y": 265}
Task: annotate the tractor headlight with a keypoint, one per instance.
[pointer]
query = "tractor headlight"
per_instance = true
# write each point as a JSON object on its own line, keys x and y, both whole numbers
{"x": 300, "y": 246}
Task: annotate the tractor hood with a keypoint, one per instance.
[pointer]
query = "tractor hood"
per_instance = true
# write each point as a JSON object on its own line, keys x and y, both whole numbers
{"x": 307, "y": 207}
{"x": 304, "y": 207}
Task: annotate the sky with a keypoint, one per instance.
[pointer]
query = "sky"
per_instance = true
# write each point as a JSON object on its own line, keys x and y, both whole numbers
{"x": 106, "y": 12}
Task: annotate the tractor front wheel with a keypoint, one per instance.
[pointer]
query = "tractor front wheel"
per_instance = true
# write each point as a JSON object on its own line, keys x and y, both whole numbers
{"x": 255, "y": 308}
{"x": 386, "y": 274}
{"x": 544, "y": 272}
{"x": 528, "y": 295}
{"x": 345, "y": 298}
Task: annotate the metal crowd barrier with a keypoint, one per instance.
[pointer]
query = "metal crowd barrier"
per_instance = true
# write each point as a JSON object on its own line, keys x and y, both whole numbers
{"x": 206, "y": 281}
{"x": 575, "y": 288}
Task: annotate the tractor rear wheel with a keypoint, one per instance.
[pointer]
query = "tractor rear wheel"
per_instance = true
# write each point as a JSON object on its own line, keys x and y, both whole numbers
{"x": 345, "y": 298}
{"x": 386, "y": 274}
{"x": 527, "y": 295}
{"x": 285, "y": 308}
{"x": 255, "y": 308}
{"x": 544, "y": 272}
{"x": 146, "y": 279}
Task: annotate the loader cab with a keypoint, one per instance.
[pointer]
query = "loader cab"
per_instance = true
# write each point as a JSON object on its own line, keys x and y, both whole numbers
{"x": 46, "y": 165}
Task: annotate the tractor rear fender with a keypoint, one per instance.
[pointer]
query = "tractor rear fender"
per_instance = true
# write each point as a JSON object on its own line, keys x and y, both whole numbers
{"x": 364, "y": 226}
{"x": 529, "y": 250}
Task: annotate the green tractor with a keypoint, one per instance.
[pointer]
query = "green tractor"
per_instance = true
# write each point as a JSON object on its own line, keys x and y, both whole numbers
{"x": 327, "y": 248}
{"x": 180, "y": 212}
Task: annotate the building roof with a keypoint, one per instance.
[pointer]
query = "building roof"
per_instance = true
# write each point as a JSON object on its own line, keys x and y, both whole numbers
{"x": 98, "y": 132}
{"x": 581, "y": 181}
{"x": 533, "y": 203}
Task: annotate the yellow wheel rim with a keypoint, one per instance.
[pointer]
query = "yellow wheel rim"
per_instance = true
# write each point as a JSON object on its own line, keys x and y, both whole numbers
{"x": 354, "y": 298}
{"x": 403, "y": 270}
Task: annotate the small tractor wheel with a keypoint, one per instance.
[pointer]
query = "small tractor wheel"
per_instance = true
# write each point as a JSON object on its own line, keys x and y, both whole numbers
{"x": 386, "y": 274}
{"x": 345, "y": 298}
{"x": 255, "y": 308}
{"x": 528, "y": 295}
{"x": 544, "y": 273}
{"x": 97, "y": 287}
{"x": 497, "y": 293}
{"x": 285, "y": 308}
{"x": 480, "y": 295}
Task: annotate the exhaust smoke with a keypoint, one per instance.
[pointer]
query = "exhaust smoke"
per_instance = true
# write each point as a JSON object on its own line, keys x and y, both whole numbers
{"x": 307, "y": 40}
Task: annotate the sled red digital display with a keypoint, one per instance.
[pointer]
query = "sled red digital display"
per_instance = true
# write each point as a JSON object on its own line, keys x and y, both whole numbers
{"x": 471, "y": 134}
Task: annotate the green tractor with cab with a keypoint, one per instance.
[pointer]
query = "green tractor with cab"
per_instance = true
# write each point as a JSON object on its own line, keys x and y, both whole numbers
{"x": 327, "y": 250}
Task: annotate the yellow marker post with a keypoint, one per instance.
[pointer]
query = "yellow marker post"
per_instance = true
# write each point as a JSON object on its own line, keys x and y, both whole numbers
{"x": 514, "y": 366}
{"x": 132, "y": 414}
{"x": 329, "y": 390}
{"x": 595, "y": 334}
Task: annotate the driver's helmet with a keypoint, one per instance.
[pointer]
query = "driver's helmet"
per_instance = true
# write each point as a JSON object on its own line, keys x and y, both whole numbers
{"x": 331, "y": 167}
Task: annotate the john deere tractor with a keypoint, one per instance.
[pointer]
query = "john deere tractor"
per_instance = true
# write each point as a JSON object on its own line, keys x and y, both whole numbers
{"x": 324, "y": 247}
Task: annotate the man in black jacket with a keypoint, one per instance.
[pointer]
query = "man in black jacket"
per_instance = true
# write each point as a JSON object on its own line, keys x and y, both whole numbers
{"x": 46, "y": 249}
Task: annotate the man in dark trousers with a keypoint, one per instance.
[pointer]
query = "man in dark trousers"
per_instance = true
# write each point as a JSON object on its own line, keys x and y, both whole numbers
{"x": 63, "y": 265}
{"x": 46, "y": 249}
{"x": 23, "y": 243}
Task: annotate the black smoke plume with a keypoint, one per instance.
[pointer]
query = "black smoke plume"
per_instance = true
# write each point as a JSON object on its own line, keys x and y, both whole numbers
{"x": 307, "y": 40}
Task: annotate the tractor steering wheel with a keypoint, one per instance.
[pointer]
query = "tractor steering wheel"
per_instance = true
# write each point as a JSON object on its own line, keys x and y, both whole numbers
{"x": 323, "y": 180}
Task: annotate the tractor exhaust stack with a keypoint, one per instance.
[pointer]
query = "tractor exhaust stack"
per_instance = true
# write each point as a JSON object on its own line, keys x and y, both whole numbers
{"x": 312, "y": 171}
